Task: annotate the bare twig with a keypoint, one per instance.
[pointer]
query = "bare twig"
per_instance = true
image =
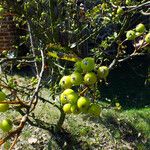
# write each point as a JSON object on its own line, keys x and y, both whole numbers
{"x": 84, "y": 91}
{"x": 141, "y": 6}
{"x": 135, "y": 7}
{"x": 17, "y": 59}
{"x": 34, "y": 99}
{"x": 145, "y": 13}
{"x": 32, "y": 47}
{"x": 131, "y": 56}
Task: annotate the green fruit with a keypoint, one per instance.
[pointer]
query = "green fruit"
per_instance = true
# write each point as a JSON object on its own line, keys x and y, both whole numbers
{"x": 90, "y": 78}
{"x": 65, "y": 82}
{"x": 76, "y": 78}
{"x": 74, "y": 109}
{"x": 6, "y": 125}
{"x": 130, "y": 35}
{"x": 4, "y": 107}
{"x": 140, "y": 28}
{"x": 68, "y": 91}
{"x": 120, "y": 11}
{"x": 78, "y": 66}
{"x": 138, "y": 34}
{"x": 103, "y": 72}
{"x": 147, "y": 38}
{"x": 63, "y": 96}
{"x": 67, "y": 108}
{"x": 128, "y": 2}
{"x": 63, "y": 99}
{"x": 83, "y": 103}
{"x": 1, "y": 10}
{"x": 2, "y": 96}
{"x": 94, "y": 110}
{"x": 72, "y": 98}
{"x": 87, "y": 64}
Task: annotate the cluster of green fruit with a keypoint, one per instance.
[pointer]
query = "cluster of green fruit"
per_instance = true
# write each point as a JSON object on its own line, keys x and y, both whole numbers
{"x": 83, "y": 76}
{"x": 6, "y": 124}
{"x": 138, "y": 31}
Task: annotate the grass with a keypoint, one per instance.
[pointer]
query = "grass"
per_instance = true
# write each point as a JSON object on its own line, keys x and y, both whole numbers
{"x": 129, "y": 129}
{"x": 139, "y": 119}
{"x": 123, "y": 129}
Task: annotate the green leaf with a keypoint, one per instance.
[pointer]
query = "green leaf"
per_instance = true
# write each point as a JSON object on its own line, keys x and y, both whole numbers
{"x": 64, "y": 56}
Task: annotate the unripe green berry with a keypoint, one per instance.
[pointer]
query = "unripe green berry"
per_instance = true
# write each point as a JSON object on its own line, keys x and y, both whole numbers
{"x": 65, "y": 82}
{"x": 140, "y": 28}
{"x": 120, "y": 11}
{"x": 147, "y": 38}
{"x": 67, "y": 108}
{"x": 76, "y": 78}
{"x": 88, "y": 64}
{"x": 130, "y": 35}
{"x": 4, "y": 107}
{"x": 6, "y": 125}
{"x": 103, "y": 72}
{"x": 90, "y": 78}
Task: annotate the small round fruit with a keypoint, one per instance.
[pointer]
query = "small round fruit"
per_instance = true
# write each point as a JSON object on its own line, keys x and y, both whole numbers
{"x": 4, "y": 107}
{"x": 94, "y": 110}
{"x": 120, "y": 11}
{"x": 138, "y": 34}
{"x": 65, "y": 82}
{"x": 103, "y": 72}
{"x": 1, "y": 10}
{"x": 6, "y": 125}
{"x": 130, "y": 35}
{"x": 140, "y": 28}
{"x": 128, "y": 2}
{"x": 63, "y": 96}
{"x": 147, "y": 38}
{"x": 90, "y": 78}
{"x": 67, "y": 108}
{"x": 77, "y": 66}
{"x": 72, "y": 98}
{"x": 63, "y": 99}
{"x": 76, "y": 78}
{"x": 68, "y": 91}
{"x": 2, "y": 96}
{"x": 88, "y": 64}
{"x": 83, "y": 103}
{"x": 74, "y": 109}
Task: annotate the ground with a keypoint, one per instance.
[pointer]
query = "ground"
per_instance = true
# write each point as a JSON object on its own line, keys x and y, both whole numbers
{"x": 114, "y": 129}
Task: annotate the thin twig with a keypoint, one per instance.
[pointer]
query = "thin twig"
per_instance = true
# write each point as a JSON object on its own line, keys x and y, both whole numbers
{"x": 35, "y": 95}
{"x": 32, "y": 47}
